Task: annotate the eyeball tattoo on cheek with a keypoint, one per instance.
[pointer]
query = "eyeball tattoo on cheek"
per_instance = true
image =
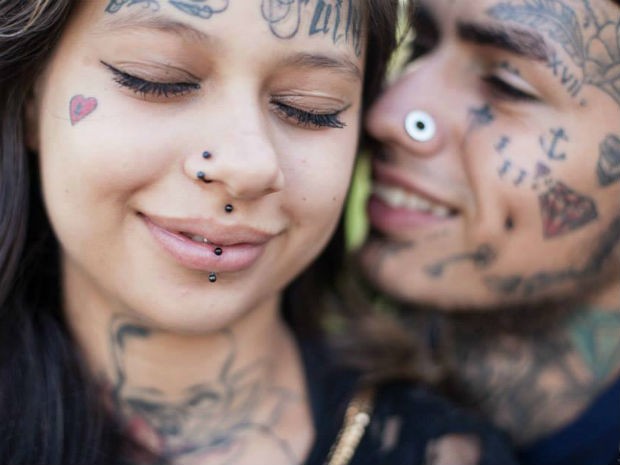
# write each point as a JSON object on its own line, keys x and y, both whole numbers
{"x": 420, "y": 126}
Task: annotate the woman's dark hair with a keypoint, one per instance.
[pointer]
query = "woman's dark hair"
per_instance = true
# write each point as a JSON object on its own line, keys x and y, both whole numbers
{"x": 51, "y": 409}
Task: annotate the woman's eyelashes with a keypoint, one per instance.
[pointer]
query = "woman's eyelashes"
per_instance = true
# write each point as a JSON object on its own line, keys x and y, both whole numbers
{"x": 502, "y": 90}
{"x": 148, "y": 88}
{"x": 309, "y": 119}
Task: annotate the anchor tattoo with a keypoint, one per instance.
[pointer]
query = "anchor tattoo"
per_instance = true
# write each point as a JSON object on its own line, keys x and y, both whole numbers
{"x": 481, "y": 258}
{"x": 552, "y": 150}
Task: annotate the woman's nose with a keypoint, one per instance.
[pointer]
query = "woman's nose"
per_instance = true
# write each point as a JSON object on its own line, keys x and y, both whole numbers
{"x": 246, "y": 164}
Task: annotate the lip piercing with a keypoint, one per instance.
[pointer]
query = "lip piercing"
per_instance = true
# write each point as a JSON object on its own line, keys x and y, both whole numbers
{"x": 229, "y": 208}
{"x": 218, "y": 251}
{"x": 203, "y": 177}
{"x": 212, "y": 277}
{"x": 420, "y": 126}
{"x": 206, "y": 155}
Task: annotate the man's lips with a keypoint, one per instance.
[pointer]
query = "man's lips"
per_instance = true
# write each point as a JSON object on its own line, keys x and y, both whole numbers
{"x": 396, "y": 205}
{"x": 397, "y": 191}
{"x": 207, "y": 245}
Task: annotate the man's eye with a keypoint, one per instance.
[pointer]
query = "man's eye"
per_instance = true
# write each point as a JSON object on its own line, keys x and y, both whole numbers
{"x": 420, "y": 45}
{"x": 308, "y": 119}
{"x": 502, "y": 90}
{"x": 146, "y": 88}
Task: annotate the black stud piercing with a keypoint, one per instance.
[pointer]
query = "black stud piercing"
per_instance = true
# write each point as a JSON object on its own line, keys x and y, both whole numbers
{"x": 218, "y": 251}
{"x": 509, "y": 224}
{"x": 206, "y": 155}
{"x": 212, "y": 277}
{"x": 229, "y": 208}
{"x": 203, "y": 177}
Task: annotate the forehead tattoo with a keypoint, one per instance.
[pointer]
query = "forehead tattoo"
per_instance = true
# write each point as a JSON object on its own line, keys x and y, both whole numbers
{"x": 200, "y": 8}
{"x": 589, "y": 37}
{"x": 341, "y": 20}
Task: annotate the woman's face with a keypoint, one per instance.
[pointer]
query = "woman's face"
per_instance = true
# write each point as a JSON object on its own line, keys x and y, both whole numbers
{"x": 138, "y": 91}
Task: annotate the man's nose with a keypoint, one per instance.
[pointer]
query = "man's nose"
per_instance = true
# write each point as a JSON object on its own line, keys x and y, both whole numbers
{"x": 417, "y": 111}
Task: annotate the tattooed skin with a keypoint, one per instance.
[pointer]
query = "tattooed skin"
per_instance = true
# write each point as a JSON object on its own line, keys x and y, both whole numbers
{"x": 528, "y": 286}
{"x": 563, "y": 210}
{"x": 592, "y": 43}
{"x": 551, "y": 148}
{"x": 533, "y": 385}
{"x": 80, "y": 107}
{"x": 211, "y": 420}
{"x": 342, "y": 20}
{"x": 482, "y": 257}
{"x": 608, "y": 168}
{"x": 480, "y": 116}
{"x": 200, "y": 8}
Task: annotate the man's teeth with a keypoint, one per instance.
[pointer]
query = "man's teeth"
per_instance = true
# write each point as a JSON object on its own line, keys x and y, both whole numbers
{"x": 396, "y": 197}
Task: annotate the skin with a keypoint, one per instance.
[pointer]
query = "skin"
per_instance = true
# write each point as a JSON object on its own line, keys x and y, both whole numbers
{"x": 524, "y": 268}
{"x": 120, "y": 132}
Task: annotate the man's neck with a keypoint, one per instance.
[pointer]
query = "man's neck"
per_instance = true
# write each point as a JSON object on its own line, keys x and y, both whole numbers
{"x": 533, "y": 384}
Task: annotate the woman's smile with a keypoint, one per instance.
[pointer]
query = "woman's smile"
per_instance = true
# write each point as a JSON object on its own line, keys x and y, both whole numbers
{"x": 204, "y": 245}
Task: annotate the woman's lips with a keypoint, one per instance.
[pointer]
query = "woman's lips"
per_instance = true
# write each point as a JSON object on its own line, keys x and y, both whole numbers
{"x": 240, "y": 246}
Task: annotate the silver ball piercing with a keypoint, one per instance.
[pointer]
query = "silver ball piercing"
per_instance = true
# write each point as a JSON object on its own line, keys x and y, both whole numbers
{"x": 212, "y": 277}
{"x": 229, "y": 208}
{"x": 218, "y": 251}
{"x": 206, "y": 155}
{"x": 420, "y": 126}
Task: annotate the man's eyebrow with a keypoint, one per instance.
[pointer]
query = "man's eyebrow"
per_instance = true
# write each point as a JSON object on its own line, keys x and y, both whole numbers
{"x": 144, "y": 19}
{"x": 338, "y": 63}
{"x": 528, "y": 44}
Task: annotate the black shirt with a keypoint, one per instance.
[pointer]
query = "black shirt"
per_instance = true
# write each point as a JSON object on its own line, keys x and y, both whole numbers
{"x": 414, "y": 415}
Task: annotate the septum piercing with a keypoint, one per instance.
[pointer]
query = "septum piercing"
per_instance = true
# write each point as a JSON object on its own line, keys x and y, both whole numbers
{"x": 420, "y": 126}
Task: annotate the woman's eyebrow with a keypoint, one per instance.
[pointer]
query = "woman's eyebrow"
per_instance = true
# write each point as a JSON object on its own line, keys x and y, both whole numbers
{"x": 528, "y": 44}
{"x": 144, "y": 19}
{"x": 338, "y": 63}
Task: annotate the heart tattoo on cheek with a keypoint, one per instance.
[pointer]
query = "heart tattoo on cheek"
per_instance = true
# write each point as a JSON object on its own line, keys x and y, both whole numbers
{"x": 80, "y": 107}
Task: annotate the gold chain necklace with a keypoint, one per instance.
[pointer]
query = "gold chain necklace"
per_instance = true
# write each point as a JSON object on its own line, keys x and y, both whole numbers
{"x": 356, "y": 419}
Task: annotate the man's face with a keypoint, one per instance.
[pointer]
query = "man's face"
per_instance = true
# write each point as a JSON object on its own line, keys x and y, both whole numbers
{"x": 516, "y": 195}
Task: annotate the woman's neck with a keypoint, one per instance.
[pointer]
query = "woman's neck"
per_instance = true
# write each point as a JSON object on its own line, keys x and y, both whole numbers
{"x": 235, "y": 395}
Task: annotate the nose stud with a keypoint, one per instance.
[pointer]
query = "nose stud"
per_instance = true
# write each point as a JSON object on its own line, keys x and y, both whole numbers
{"x": 420, "y": 126}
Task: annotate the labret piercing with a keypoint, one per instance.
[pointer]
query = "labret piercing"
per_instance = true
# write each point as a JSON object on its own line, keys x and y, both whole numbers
{"x": 420, "y": 126}
{"x": 212, "y": 277}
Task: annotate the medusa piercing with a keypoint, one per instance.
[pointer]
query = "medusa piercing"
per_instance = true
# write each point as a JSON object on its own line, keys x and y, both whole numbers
{"x": 229, "y": 208}
{"x": 203, "y": 177}
{"x": 420, "y": 126}
{"x": 218, "y": 251}
{"x": 212, "y": 277}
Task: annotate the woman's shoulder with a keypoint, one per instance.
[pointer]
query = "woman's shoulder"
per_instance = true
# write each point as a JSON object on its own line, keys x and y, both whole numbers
{"x": 410, "y": 424}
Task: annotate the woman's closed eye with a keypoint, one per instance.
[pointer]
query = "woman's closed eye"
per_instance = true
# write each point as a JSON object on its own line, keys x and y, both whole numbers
{"x": 148, "y": 88}
{"x": 309, "y": 119}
